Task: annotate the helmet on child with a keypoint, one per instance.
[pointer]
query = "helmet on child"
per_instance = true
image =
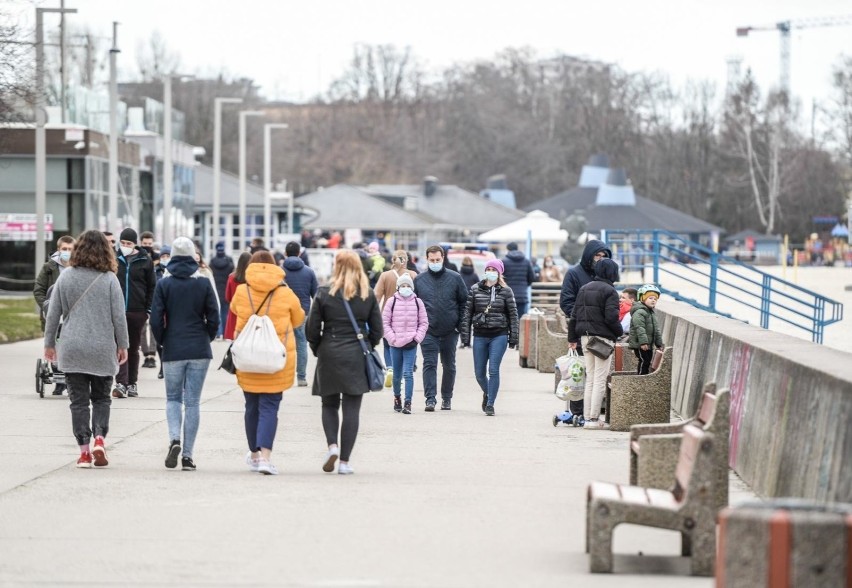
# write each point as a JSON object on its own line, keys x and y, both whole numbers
{"x": 647, "y": 289}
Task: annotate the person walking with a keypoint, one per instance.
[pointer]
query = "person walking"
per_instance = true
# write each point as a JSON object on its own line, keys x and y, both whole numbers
{"x": 550, "y": 272}
{"x": 596, "y": 314}
{"x": 303, "y": 281}
{"x": 93, "y": 342}
{"x": 148, "y": 343}
{"x": 405, "y": 323}
{"x": 575, "y": 278}
{"x": 443, "y": 293}
{"x": 645, "y": 333}
{"x": 184, "y": 320}
{"x": 136, "y": 275}
{"x": 385, "y": 290}
{"x": 222, "y": 266}
{"x": 492, "y": 314}
{"x": 340, "y": 377}
{"x": 467, "y": 272}
{"x": 237, "y": 277}
{"x": 519, "y": 276}
{"x": 265, "y": 292}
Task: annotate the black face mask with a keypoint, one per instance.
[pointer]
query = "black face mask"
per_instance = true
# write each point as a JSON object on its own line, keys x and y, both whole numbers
{"x": 150, "y": 250}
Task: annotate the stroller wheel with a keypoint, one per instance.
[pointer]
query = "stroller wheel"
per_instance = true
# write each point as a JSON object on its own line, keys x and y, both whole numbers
{"x": 39, "y": 381}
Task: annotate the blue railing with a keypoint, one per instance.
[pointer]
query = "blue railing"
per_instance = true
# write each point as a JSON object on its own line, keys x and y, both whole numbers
{"x": 733, "y": 288}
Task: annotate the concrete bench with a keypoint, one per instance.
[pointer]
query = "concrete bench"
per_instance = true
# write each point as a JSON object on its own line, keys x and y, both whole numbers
{"x": 689, "y": 507}
{"x": 654, "y": 448}
{"x": 527, "y": 337}
{"x": 634, "y": 400}
{"x": 551, "y": 342}
{"x": 545, "y": 296}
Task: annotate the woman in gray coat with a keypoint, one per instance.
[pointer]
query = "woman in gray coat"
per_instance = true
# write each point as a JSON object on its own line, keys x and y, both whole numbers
{"x": 341, "y": 372}
{"x": 93, "y": 341}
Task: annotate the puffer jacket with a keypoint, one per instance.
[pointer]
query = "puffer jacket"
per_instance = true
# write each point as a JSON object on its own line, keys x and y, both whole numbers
{"x": 501, "y": 318}
{"x": 519, "y": 274}
{"x": 644, "y": 329}
{"x": 580, "y": 275}
{"x": 404, "y": 320}
{"x": 285, "y": 310}
{"x": 596, "y": 308}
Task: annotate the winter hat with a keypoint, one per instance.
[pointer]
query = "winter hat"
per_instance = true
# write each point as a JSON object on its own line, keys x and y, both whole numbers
{"x": 220, "y": 246}
{"x": 165, "y": 250}
{"x": 496, "y": 264}
{"x": 374, "y": 246}
{"x": 404, "y": 280}
{"x": 129, "y": 234}
{"x": 183, "y": 246}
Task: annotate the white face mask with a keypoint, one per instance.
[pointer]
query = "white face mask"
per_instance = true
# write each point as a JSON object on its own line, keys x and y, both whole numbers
{"x": 126, "y": 250}
{"x": 491, "y": 276}
{"x": 406, "y": 291}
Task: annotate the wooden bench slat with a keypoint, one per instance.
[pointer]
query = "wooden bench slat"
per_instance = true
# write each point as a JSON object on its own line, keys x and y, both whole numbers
{"x": 633, "y": 494}
{"x": 604, "y": 490}
{"x": 634, "y": 447}
{"x": 661, "y": 498}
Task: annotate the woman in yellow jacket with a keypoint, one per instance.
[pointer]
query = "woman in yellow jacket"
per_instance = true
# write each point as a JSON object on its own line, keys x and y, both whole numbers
{"x": 263, "y": 392}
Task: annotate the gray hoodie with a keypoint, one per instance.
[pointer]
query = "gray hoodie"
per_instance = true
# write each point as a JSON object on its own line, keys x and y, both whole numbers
{"x": 95, "y": 330}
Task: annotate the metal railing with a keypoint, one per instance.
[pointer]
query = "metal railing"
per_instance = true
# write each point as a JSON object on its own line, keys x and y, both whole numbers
{"x": 732, "y": 288}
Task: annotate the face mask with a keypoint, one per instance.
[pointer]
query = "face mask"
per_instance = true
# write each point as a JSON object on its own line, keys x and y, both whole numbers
{"x": 436, "y": 267}
{"x": 149, "y": 250}
{"x": 126, "y": 250}
{"x": 64, "y": 255}
{"x": 406, "y": 291}
{"x": 164, "y": 261}
{"x": 491, "y": 276}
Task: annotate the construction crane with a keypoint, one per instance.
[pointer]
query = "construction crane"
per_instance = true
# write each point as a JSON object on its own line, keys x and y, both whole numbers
{"x": 784, "y": 28}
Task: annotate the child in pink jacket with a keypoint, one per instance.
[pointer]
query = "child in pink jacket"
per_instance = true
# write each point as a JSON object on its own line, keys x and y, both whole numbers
{"x": 405, "y": 324}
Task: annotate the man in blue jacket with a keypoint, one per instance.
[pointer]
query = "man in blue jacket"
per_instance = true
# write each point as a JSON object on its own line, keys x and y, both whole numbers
{"x": 519, "y": 276}
{"x": 303, "y": 282}
{"x": 443, "y": 293}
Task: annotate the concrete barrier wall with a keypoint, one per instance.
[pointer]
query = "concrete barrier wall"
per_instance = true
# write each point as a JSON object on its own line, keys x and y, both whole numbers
{"x": 791, "y": 401}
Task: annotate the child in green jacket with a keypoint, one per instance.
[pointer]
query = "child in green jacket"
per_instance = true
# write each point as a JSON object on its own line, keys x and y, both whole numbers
{"x": 645, "y": 332}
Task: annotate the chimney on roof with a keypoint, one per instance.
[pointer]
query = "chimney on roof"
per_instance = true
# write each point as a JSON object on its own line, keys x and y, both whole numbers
{"x": 595, "y": 172}
{"x": 497, "y": 182}
{"x": 616, "y": 191}
{"x": 430, "y": 185}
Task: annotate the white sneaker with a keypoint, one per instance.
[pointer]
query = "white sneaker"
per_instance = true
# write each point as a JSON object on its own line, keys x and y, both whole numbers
{"x": 330, "y": 459}
{"x": 252, "y": 462}
{"x": 344, "y": 469}
{"x": 266, "y": 468}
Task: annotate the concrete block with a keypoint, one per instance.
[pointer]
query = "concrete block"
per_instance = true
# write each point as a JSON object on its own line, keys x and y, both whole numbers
{"x": 551, "y": 343}
{"x": 635, "y": 400}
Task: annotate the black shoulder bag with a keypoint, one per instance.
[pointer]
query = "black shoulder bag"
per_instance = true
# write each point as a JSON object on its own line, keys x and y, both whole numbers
{"x": 374, "y": 366}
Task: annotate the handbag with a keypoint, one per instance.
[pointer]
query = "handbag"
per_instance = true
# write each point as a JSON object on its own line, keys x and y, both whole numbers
{"x": 258, "y": 349}
{"x": 373, "y": 364}
{"x": 228, "y": 362}
{"x": 599, "y": 347}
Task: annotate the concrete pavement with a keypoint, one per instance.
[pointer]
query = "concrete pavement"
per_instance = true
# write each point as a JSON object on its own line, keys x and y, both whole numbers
{"x": 438, "y": 499}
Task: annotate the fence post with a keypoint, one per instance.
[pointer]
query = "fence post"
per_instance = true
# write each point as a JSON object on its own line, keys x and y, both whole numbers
{"x": 714, "y": 266}
{"x": 765, "y": 293}
{"x": 656, "y": 257}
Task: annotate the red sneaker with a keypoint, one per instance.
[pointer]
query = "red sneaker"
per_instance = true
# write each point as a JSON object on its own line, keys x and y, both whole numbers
{"x": 99, "y": 453}
{"x": 85, "y": 460}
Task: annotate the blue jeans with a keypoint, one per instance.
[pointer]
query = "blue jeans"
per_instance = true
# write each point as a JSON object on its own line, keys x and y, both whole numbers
{"x": 387, "y": 351}
{"x": 403, "y": 367}
{"x": 184, "y": 381}
{"x": 523, "y": 306}
{"x": 224, "y": 307}
{"x": 301, "y": 352}
{"x": 261, "y": 419}
{"x": 489, "y": 351}
{"x": 432, "y": 347}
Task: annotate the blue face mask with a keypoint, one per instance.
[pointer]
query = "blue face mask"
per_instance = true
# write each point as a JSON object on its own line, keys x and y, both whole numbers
{"x": 436, "y": 267}
{"x": 406, "y": 292}
{"x": 491, "y": 276}
{"x": 164, "y": 261}
{"x": 64, "y": 256}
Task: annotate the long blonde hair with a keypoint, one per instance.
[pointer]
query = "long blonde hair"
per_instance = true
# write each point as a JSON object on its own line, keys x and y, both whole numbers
{"x": 349, "y": 276}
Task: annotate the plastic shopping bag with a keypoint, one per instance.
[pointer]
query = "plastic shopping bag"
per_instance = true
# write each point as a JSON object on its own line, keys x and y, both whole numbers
{"x": 572, "y": 368}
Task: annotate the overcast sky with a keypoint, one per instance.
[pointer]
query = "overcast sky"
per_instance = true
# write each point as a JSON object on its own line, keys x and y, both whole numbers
{"x": 294, "y": 49}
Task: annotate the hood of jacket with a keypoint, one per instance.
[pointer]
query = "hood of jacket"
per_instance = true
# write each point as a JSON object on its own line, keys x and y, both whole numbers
{"x": 636, "y": 306}
{"x": 606, "y": 269}
{"x": 262, "y": 276}
{"x": 516, "y": 255}
{"x": 293, "y": 263}
{"x": 182, "y": 266}
{"x": 220, "y": 262}
{"x": 592, "y": 247}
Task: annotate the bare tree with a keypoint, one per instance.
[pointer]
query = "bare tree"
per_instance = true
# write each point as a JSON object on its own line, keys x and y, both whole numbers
{"x": 16, "y": 70}
{"x": 841, "y": 112}
{"x": 154, "y": 58}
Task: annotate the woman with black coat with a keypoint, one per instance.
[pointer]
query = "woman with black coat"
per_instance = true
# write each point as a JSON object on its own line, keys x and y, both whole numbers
{"x": 467, "y": 272}
{"x": 340, "y": 371}
{"x": 596, "y": 314}
{"x": 492, "y": 313}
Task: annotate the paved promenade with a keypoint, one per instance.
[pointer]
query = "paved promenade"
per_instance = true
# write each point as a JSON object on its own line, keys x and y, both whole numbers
{"x": 438, "y": 499}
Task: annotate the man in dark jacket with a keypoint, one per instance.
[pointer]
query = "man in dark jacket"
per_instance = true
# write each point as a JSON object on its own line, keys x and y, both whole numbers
{"x": 519, "y": 276}
{"x": 222, "y": 266}
{"x": 303, "y": 281}
{"x": 136, "y": 275}
{"x": 184, "y": 319}
{"x": 50, "y": 272}
{"x": 575, "y": 278}
{"x": 443, "y": 293}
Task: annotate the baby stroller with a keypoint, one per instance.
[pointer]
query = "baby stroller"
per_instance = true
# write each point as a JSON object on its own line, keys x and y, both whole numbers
{"x": 47, "y": 373}
{"x": 570, "y": 389}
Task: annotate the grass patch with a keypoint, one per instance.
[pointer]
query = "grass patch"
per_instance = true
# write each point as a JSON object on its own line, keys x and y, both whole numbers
{"x": 18, "y": 320}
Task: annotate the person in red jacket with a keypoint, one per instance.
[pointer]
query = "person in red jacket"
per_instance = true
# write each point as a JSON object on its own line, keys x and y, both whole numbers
{"x": 237, "y": 277}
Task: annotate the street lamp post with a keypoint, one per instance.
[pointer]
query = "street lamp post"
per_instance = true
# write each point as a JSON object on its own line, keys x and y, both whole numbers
{"x": 41, "y": 137}
{"x": 168, "y": 154}
{"x": 242, "y": 219}
{"x": 112, "y": 190}
{"x": 267, "y": 178}
{"x": 217, "y": 159}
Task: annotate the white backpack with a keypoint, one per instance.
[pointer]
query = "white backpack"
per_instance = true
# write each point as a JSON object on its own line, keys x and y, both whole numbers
{"x": 258, "y": 349}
